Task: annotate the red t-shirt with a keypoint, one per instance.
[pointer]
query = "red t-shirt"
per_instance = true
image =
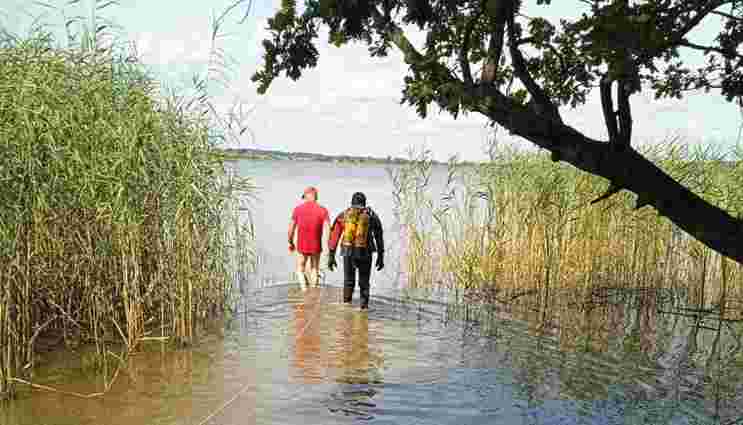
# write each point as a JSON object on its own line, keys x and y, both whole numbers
{"x": 310, "y": 217}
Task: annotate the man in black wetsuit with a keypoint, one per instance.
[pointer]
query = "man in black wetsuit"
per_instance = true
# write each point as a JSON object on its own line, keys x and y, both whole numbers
{"x": 359, "y": 231}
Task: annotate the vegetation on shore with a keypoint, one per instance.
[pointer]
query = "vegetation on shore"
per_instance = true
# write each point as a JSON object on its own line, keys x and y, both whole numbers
{"x": 524, "y": 231}
{"x": 118, "y": 223}
{"x": 263, "y": 154}
{"x": 521, "y": 238}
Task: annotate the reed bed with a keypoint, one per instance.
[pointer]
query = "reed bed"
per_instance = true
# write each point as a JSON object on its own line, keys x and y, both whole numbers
{"x": 518, "y": 238}
{"x": 118, "y": 223}
{"x": 521, "y": 230}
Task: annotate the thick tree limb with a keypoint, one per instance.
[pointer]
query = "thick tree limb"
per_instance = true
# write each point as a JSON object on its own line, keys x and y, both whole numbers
{"x": 625, "y": 114}
{"x": 628, "y": 169}
{"x": 607, "y": 106}
{"x": 495, "y": 44}
{"x": 627, "y": 84}
{"x": 642, "y": 201}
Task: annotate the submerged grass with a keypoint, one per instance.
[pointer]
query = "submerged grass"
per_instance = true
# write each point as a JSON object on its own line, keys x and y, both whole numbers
{"x": 118, "y": 222}
{"x": 522, "y": 230}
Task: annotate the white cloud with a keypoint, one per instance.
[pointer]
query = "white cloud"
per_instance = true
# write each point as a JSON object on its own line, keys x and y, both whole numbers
{"x": 354, "y": 108}
{"x": 363, "y": 94}
{"x": 350, "y": 102}
{"x": 290, "y": 103}
{"x": 174, "y": 47}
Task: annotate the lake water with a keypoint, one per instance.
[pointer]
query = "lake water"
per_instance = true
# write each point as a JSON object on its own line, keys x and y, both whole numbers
{"x": 281, "y": 184}
{"x": 294, "y": 357}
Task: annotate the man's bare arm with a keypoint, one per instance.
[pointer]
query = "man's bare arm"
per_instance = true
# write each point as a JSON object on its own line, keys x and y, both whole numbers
{"x": 292, "y": 227}
{"x": 328, "y": 229}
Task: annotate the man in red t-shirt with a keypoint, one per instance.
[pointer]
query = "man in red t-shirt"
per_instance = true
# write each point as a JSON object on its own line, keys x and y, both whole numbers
{"x": 308, "y": 219}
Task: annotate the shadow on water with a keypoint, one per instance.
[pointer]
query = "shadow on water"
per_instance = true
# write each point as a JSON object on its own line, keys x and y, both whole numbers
{"x": 303, "y": 357}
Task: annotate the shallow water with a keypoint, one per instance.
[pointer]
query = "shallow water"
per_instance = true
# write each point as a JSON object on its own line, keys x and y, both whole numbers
{"x": 280, "y": 186}
{"x": 303, "y": 358}
{"x": 294, "y": 357}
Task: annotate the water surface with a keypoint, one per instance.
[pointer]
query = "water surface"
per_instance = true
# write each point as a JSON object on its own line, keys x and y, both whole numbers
{"x": 294, "y": 357}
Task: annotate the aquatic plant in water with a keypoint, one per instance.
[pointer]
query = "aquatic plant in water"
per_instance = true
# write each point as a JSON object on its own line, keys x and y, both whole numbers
{"x": 118, "y": 222}
{"x": 519, "y": 227}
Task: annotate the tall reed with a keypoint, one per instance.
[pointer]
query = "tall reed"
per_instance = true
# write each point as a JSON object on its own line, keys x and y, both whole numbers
{"x": 521, "y": 229}
{"x": 118, "y": 223}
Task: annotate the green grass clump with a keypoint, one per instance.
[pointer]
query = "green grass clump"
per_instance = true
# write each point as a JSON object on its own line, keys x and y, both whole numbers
{"x": 114, "y": 207}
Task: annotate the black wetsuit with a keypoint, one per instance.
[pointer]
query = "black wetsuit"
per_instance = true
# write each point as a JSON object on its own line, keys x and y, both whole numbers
{"x": 360, "y": 260}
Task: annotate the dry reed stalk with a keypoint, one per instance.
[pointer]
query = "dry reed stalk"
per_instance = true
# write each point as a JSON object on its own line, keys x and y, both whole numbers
{"x": 115, "y": 209}
{"x": 553, "y": 242}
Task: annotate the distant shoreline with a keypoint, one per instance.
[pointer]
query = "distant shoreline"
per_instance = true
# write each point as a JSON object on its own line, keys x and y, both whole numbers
{"x": 271, "y": 155}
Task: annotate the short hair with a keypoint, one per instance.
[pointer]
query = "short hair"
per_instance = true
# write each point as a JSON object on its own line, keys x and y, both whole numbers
{"x": 358, "y": 199}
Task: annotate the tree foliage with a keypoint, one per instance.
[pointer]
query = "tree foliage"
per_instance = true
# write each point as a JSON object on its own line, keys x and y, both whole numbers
{"x": 488, "y": 57}
{"x": 637, "y": 43}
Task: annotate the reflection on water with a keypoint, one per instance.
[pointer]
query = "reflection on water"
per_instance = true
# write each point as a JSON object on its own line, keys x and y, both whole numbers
{"x": 352, "y": 347}
{"x": 303, "y": 357}
{"x": 331, "y": 341}
{"x": 308, "y": 350}
{"x": 358, "y": 357}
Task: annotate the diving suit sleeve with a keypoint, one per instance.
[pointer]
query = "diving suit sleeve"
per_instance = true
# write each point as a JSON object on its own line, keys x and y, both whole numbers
{"x": 378, "y": 233}
{"x": 335, "y": 233}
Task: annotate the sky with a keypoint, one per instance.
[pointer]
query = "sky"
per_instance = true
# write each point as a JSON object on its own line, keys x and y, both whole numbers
{"x": 349, "y": 104}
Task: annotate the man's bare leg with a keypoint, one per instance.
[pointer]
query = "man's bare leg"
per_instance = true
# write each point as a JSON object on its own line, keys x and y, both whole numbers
{"x": 314, "y": 270}
{"x": 301, "y": 264}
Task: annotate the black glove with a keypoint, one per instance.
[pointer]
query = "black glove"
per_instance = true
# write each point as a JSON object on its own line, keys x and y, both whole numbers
{"x": 380, "y": 261}
{"x": 331, "y": 261}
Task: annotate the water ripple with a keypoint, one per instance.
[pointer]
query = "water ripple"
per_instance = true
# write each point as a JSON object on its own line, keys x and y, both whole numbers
{"x": 304, "y": 357}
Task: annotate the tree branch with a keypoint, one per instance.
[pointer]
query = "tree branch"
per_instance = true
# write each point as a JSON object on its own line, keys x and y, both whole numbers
{"x": 530, "y": 40}
{"x": 643, "y": 200}
{"x": 625, "y": 114}
{"x": 678, "y": 37}
{"x": 527, "y": 40}
{"x": 411, "y": 55}
{"x": 707, "y": 49}
{"x": 702, "y": 12}
{"x": 612, "y": 190}
{"x": 495, "y": 44}
{"x": 629, "y": 170}
{"x": 727, "y": 15}
{"x": 625, "y": 72}
{"x": 607, "y": 105}
{"x": 519, "y": 66}
{"x": 464, "y": 62}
